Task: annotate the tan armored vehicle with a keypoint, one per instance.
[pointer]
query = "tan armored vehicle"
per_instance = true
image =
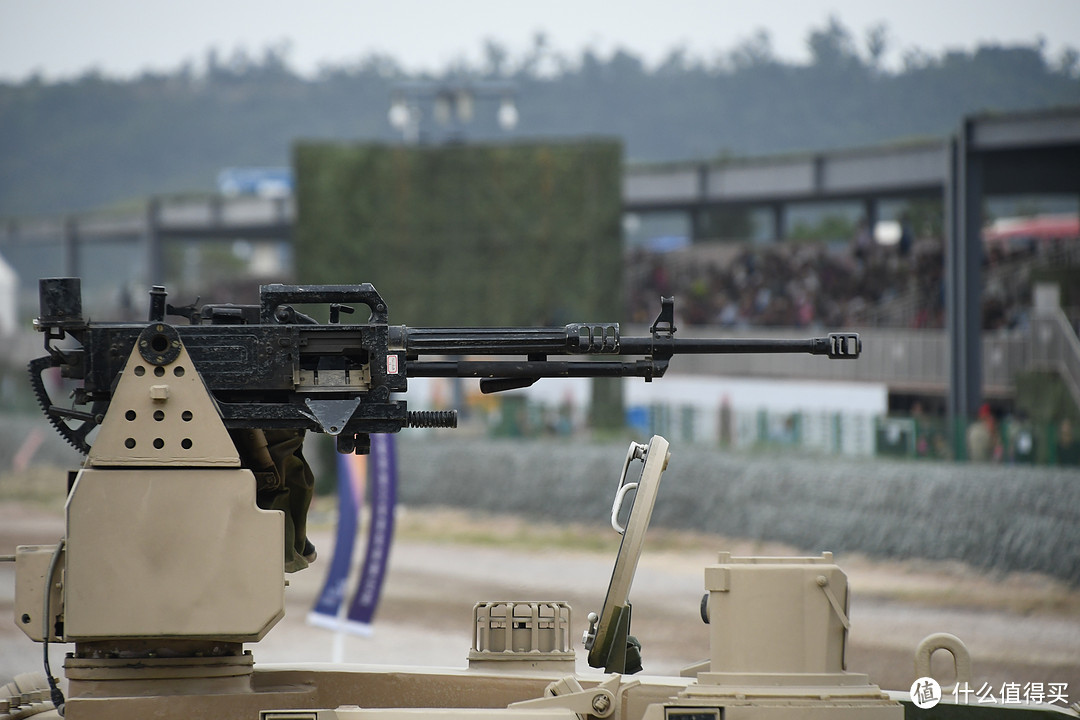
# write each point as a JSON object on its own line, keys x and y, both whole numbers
{"x": 169, "y": 567}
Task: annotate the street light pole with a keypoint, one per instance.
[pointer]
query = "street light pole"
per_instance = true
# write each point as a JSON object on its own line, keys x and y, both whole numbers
{"x": 450, "y": 105}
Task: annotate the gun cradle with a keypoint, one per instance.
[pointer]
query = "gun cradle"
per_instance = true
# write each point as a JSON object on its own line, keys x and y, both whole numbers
{"x": 163, "y": 511}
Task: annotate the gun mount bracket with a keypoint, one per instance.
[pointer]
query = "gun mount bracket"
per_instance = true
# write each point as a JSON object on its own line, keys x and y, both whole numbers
{"x": 332, "y": 415}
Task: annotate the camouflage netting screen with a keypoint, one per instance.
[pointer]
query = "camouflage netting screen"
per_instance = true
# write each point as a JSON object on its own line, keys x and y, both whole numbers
{"x": 509, "y": 234}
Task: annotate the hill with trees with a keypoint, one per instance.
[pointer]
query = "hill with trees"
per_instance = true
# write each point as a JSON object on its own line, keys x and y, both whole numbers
{"x": 96, "y": 141}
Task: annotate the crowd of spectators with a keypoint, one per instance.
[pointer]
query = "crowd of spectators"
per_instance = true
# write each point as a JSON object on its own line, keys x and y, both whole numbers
{"x": 816, "y": 284}
{"x": 795, "y": 284}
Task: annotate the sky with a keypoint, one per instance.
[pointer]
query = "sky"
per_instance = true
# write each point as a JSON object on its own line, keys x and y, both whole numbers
{"x": 61, "y": 39}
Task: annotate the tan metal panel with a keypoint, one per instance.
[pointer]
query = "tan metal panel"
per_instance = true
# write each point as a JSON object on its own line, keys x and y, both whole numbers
{"x": 171, "y": 553}
{"x": 162, "y": 415}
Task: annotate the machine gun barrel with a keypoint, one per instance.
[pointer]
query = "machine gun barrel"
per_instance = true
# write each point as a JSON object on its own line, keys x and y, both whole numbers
{"x": 601, "y": 339}
{"x": 580, "y": 339}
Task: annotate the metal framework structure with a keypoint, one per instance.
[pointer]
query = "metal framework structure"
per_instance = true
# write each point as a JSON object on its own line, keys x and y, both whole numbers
{"x": 994, "y": 155}
{"x": 1015, "y": 153}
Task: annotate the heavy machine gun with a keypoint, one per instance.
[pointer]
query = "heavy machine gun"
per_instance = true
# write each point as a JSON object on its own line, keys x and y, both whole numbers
{"x": 272, "y": 366}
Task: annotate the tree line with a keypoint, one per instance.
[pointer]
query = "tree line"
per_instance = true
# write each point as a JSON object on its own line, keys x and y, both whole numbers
{"x": 95, "y": 141}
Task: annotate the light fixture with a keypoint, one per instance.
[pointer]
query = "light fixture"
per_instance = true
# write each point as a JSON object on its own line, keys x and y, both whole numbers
{"x": 508, "y": 114}
{"x": 399, "y": 113}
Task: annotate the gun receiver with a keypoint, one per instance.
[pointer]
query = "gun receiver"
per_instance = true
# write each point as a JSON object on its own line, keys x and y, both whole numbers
{"x": 270, "y": 365}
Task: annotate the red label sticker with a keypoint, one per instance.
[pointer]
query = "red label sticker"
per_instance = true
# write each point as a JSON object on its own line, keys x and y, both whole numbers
{"x": 391, "y": 364}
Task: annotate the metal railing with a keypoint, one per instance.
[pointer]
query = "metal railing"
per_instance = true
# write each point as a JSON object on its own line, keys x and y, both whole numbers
{"x": 1055, "y": 347}
{"x": 203, "y": 214}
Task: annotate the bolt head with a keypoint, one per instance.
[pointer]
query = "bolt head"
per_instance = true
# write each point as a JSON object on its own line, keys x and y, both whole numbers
{"x": 600, "y": 703}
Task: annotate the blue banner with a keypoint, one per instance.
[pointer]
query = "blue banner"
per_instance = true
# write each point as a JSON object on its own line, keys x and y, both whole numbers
{"x": 383, "y": 466}
{"x": 351, "y": 478}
